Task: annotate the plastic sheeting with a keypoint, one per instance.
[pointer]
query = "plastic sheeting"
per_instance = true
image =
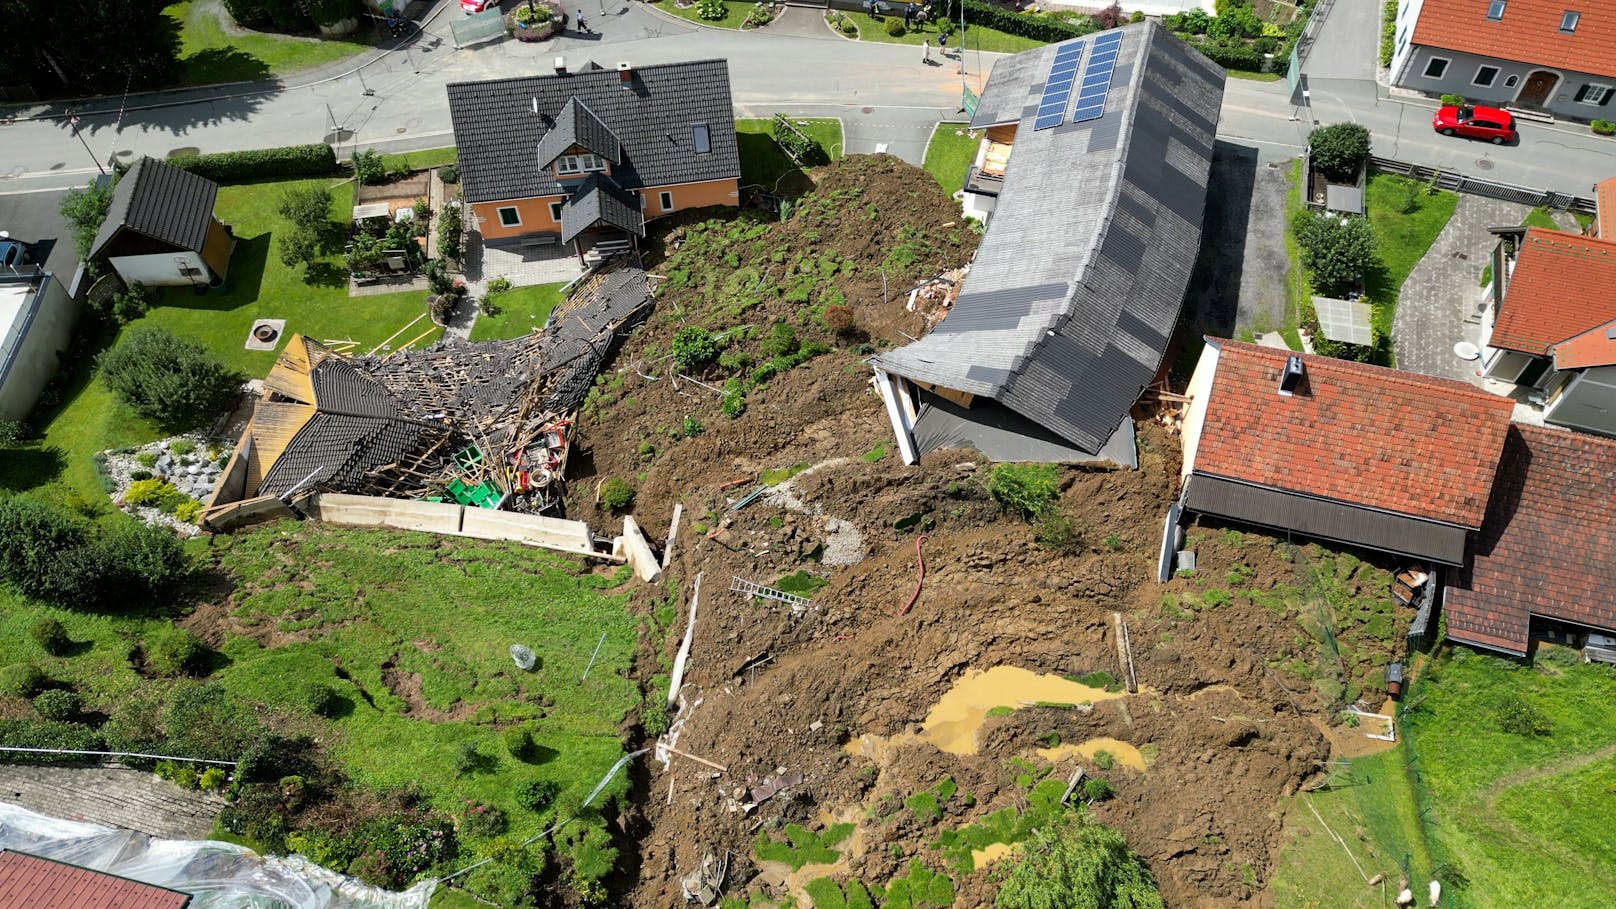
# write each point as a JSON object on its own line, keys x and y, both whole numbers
{"x": 218, "y": 875}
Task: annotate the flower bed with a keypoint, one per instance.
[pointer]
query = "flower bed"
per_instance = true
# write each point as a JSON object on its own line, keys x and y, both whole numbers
{"x": 534, "y": 21}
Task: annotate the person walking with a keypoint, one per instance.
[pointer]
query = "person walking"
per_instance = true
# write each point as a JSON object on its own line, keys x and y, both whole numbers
{"x": 942, "y": 43}
{"x": 582, "y": 25}
{"x": 925, "y": 50}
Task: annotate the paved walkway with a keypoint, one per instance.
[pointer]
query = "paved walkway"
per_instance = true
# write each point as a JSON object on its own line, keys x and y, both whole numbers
{"x": 1348, "y": 43}
{"x": 1438, "y": 304}
{"x": 112, "y": 796}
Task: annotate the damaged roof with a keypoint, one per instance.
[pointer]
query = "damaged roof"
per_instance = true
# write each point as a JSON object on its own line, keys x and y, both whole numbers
{"x": 1075, "y": 291}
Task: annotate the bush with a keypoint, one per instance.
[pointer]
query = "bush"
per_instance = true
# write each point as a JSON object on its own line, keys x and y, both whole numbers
{"x": 895, "y": 27}
{"x": 692, "y": 427}
{"x": 261, "y": 164}
{"x": 22, "y": 680}
{"x": 1603, "y": 127}
{"x": 368, "y": 167}
{"x": 450, "y": 230}
{"x": 143, "y": 557}
{"x": 482, "y": 820}
{"x": 734, "y": 401}
{"x": 159, "y": 494}
{"x": 173, "y": 382}
{"x": 1077, "y": 862}
{"x": 319, "y": 698}
{"x": 84, "y": 210}
{"x": 1047, "y": 28}
{"x": 712, "y": 10}
{"x": 1097, "y": 790}
{"x": 51, "y": 635}
{"x": 48, "y": 734}
{"x": 839, "y": 319}
{"x": 797, "y": 144}
{"x": 211, "y": 779}
{"x": 1233, "y": 56}
{"x": 537, "y": 795}
{"x": 172, "y": 651}
{"x": 1339, "y": 150}
{"x": 693, "y": 348}
{"x": 449, "y": 173}
{"x": 616, "y": 493}
{"x": 1452, "y": 100}
{"x": 1235, "y": 22}
{"x": 1025, "y": 488}
{"x": 1055, "y": 530}
{"x": 1388, "y": 32}
{"x": 1338, "y": 251}
{"x": 34, "y": 538}
{"x": 781, "y": 342}
{"x": 519, "y": 742}
{"x": 58, "y": 704}
{"x": 1517, "y": 716}
{"x": 124, "y": 306}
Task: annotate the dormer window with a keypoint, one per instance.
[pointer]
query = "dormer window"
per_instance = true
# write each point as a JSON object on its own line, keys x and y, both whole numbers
{"x": 1569, "y": 20}
{"x": 579, "y": 164}
{"x": 702, "y": 138}
{"x": 1495, "y": 9}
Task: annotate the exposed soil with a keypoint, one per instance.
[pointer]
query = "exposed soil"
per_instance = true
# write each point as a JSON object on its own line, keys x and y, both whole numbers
{"x": 1228, "y": 715}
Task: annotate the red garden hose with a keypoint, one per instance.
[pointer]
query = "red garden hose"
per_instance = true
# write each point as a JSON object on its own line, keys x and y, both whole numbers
{"x": 920, "y": 562}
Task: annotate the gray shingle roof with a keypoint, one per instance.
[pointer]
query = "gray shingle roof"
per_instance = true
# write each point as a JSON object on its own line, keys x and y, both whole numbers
{"x": 340, "y": 388}
{"x": 578, "y": 125}
{"x": 600, "y": 201}
{"x": 341, "y": 450}
{"x": 652, "y": 115}
{"x": 1078, "y": 283}
{"x": 160, "y": 201}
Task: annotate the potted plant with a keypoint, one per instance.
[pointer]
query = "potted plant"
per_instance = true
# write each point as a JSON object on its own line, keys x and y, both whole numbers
{"x": 1603, "y": 127}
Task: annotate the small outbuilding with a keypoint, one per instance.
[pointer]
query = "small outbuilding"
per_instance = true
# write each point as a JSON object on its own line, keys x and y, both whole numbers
{"x": 160, "y": 229}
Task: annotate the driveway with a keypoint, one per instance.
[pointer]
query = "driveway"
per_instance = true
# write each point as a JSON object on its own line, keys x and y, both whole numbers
{"x": 1242, "y": 275}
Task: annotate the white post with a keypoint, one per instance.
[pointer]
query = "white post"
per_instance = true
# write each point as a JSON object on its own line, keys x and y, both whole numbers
{"x": 901, "y": 427}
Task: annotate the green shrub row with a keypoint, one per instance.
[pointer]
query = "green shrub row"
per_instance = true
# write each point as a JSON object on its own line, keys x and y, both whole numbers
{"x": 799, "y": 146}
{"x": 1038, "y": 28}
{"x": 1242, "y": 57}
{"x": 48, "y": 734}
{"x": 261, "y": 163}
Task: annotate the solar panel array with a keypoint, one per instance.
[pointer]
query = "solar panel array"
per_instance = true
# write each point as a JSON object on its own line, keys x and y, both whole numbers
{"x": 1097, "y": 78}
{"x": 1058, "y": 87}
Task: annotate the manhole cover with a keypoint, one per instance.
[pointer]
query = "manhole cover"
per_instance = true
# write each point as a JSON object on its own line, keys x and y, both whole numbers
{"x": 1484, "y": 163}
{"x": 868, "y": 110}
{"x": 402, "y": 129}
{"x": 1465, "y": 350}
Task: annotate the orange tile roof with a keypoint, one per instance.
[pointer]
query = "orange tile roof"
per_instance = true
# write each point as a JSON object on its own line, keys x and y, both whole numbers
{"x": 1605, "y": 206}
{"x": 1548, "y": 547}
{"x": 1529, "y": 32}
{"x": 41, "y": 883}
{"x": 1562, "y": 285}
{"x": 1594, "y": 347}
{"x": 1364, "y": 435}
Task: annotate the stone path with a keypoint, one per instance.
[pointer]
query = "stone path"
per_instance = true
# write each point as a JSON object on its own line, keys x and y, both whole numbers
{"x": 113, "y": 796}
{"x": 1438, "y": 304}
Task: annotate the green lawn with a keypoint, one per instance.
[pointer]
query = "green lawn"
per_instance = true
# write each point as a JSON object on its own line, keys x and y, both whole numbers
{"x": 419, "y": 160}
{"x": 950, "y": 153}
{"x": 211, "y": 55}
{"x": 1402, "y": 238}
{"x": 1540, "y": 217}
{"x": 1298, "y": 284}
{"x": 764, "y": 163}
{"x": 977, "y": 37}
{"x": 521, "y": 310}
{"x": 1253, "y": 77}
{"x": 737, "y": 10}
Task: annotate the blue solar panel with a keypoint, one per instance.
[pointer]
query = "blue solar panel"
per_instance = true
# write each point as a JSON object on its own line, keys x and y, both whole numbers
{"x": 1096, "y": 83}
{"x": 1058, "y": 87}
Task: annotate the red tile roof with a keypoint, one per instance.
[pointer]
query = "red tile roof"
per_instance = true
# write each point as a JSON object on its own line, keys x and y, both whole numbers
{"x": 1548, "y": 547}
{"x": 1605, "y": 207}
{"x": 40, "y": 883}
{"x": 1365, "y": 435}
{"x": 1594, "y": 347}
{"x": 1528, "y": 32}
{"x": 1562, "y": 285}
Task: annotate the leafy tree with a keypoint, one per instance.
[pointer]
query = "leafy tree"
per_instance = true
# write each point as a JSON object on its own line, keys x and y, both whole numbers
{"x": 1079, "y": 864}
{"x": 34, "y": 538}
{"x": 173, "y": 382}
{"x": 1338, "y": 150}
{"x": 306, "y": 206}
{"x": 1235, "y": 22}
{"x": 1337, "y": 250}
{"x": 84, "y": 210}
{"x": 99, "y": 49}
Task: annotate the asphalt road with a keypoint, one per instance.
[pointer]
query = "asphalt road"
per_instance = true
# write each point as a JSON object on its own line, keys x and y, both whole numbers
{"x": 883, "y": 93}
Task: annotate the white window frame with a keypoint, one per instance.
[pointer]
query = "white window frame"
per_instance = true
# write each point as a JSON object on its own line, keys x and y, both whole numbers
{"x": 665, "y": 199}
{"x": 701, "y": 134}
{"x": 1476, "y": 80}
{"x": 1500, "y": 6}
{"x": 1596, "y": 94}
{"x": 555, "y": 211}
{"x": 1426, "y": 72}
{"x": 515, "y": 212}
{"x": 567, "y": 165}
{"x": 1569, "y": 20}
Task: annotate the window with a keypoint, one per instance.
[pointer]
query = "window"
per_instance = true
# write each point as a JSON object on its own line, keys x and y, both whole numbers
{"x": 579, "y": 164}
{"x": 510, "y": 217}
{"x": 1595, "y": 94}
{"x": 1495, "y": 9}
{"x": 1485, "y": 75}
{"x": 703, "y": 139}
{"x": 1510, "y": 81}
{"x": 666, "y": 199}
{"x": 1436, "y": 68}
{"x": 555, "y": 211}
{"x": 1569, "y": 20}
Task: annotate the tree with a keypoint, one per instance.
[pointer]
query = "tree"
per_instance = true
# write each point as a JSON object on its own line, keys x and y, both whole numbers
{"x": 1337, "y": 250}
{"x": 1338, "y": 150}
{"x": 173, "y": 382}
{"x": 1079, "y": 864}
{"x": 84, "y": 210}
{"x": 134, "y": 46}
{"x": 308, "y": 208}
{"x": 1235, "y": 22}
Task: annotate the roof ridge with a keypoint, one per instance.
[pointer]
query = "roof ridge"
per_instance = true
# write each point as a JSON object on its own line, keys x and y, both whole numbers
{"x": 1366, "y": 370}
{"x": 1552, "y": 235}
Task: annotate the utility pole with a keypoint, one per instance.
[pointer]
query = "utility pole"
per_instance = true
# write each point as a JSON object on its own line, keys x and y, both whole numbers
{"x": 73, "y": 121}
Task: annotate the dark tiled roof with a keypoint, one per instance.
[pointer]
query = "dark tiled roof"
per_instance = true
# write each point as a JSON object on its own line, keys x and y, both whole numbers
{"x": 578, "y": 125}
{"x": 1548, "y": 547}
{"x": 1364, "y": 435}
{"x": 341, "y": 450}
{"x": 340, "y": 388}
{"x": 1528, "y": 32}
{"x": 652, "y": 115}
{"x": 40, "y": 883}
{"x": 160, "y": 201}
{"x": 1559, "y": 287}
{"x": 1078, "y": 283}
{"x": 600, "y": 201}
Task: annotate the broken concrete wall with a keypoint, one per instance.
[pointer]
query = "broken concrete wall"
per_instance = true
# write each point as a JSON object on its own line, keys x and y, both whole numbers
{"x": 637, "y": 549}
{"x": 551, "y": 533}
{"x": 375, "y": 511}
{"x": 236, "y": 515}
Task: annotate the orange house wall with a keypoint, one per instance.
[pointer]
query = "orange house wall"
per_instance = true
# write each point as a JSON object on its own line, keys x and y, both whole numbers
{"x": 536, "y": 212}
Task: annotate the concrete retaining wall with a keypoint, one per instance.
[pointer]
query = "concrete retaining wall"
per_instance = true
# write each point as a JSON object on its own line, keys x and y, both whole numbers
{"x": 247, "y": 512}
{"x": 537, "y": 530}
{"x": 375, "y": 511}
{"x": 638, "y": 551}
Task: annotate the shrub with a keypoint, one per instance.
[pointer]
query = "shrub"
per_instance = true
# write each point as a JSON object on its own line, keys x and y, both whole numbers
{"x": 712, "y": 10}
{"x": 1339, "y": 150}
{"x": 368, "y": 167}
{"x": 319, "y": 698}
{"x": 172, "y": 651}
{"x": 839, "y": 319}
{"x": 1517, "y": 716}
{"x": 22, "y": 680}
{"x": 1603, "y": 127}
{"x": 450, "y": 230}
{"x": 519, "y": 742}
{"x": 1232, "y": 56}
{"x": 1338, "y": 251}
{"x": 1077, "y": 862}
{"x": 1049, "y": 28}
{"x": 693, "y": 348}
{"x": 144, "y": 557}
{"x": 84, "y": 210}
{"x": 692, "y": 427}
{"x": 734, "y": 401}
{"x": 306, "y": 206}
{"x": 449, "y": 173}
{"x": 34, "y": 539}
{"x": 57, "y": 704}
{"x": 1055, "y": 530}
{"x": 482, "y": 820}
{"x": 537, "y": 795}
{"x": 171, "y": 381}
{"x": 48, "y": 734}
{"x": 781, "y": 342}
{"x": 1236, "y": 22}
{"x": 51, "y": 635}
{"x": 1452, "y": 100}
{"x": 1388, "y": 32}
{"x": 261, "y": 164}
{"x": 1025, "y": 488}
{"x": 802, "y": 149}
{"x": 211, "y": 779}
{"x": 895, "y": 27}
{"x": 159, "y": 494}
{"x": 616, "y": 493}
{"x": 124, "y": 306}
{"x": 499, "y": 285}
{"x": 1097, "y": 790}
{"x": 13, "y": 432}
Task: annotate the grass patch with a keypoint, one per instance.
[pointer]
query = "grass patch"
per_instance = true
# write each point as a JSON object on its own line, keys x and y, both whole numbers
{"x": 1297, "y": 280}
{"x": 802, "y": 846}
{"x": 764, "y": 163}
{"x": 210, "y": 55}
{"x": 801, "y": 583}
{"x": 977, "y": 38}
{"x": 1254, "y": 77}
{"x": 776, "y": 475}
{"x": 420, "y": 160}
{"x": 736, "y": 13}
{"x": 521, "y": 310}
{"x": 949, "y": 155}
{"x": 1540, "y": 217}
{"x": 1402, "y": 238}
{"x": 875, "y": 454}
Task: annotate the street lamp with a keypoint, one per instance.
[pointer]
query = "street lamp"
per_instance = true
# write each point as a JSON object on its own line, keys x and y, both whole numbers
{"x": 73, "y": 121}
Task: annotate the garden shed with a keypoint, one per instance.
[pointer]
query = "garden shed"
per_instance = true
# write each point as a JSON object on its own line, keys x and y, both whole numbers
{"x": 160, "y": 229}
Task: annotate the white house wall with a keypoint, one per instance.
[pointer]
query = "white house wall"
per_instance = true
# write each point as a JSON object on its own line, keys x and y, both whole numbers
{"x": 162, "y": 269}
{"x": 1587, "y": 403}
{"x": 1408, "y": 11}
{"x": 40, "y": 341}
{"x": 1408, "y": 71}
{"x": 1199, "y": 391}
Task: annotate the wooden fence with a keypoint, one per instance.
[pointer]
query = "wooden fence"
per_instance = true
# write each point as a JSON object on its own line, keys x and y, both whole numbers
{"x": 1492, "y": 189}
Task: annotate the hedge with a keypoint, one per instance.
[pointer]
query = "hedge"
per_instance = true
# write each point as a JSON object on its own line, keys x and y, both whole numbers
{"x": 1036, "y": 27}
{"x": 261, "y": 164}
{"x": 48, "y": 734}
{"x": 1238, "y": 56}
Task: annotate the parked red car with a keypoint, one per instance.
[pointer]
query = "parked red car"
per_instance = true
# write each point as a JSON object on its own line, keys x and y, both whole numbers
{"x": 1490, "y": 123}
{"x": 477, "y": 6}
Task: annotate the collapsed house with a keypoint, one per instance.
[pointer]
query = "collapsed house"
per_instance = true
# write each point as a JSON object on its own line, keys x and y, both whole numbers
{"x": 1094, "y": 167}
{"x": 482, "y": 424}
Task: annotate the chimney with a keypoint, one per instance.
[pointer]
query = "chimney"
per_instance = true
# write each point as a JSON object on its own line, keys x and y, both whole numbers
{"x": 1292, "y": 377}
{"x": 625, "y": 73}
{"x": 561, "y": 66}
